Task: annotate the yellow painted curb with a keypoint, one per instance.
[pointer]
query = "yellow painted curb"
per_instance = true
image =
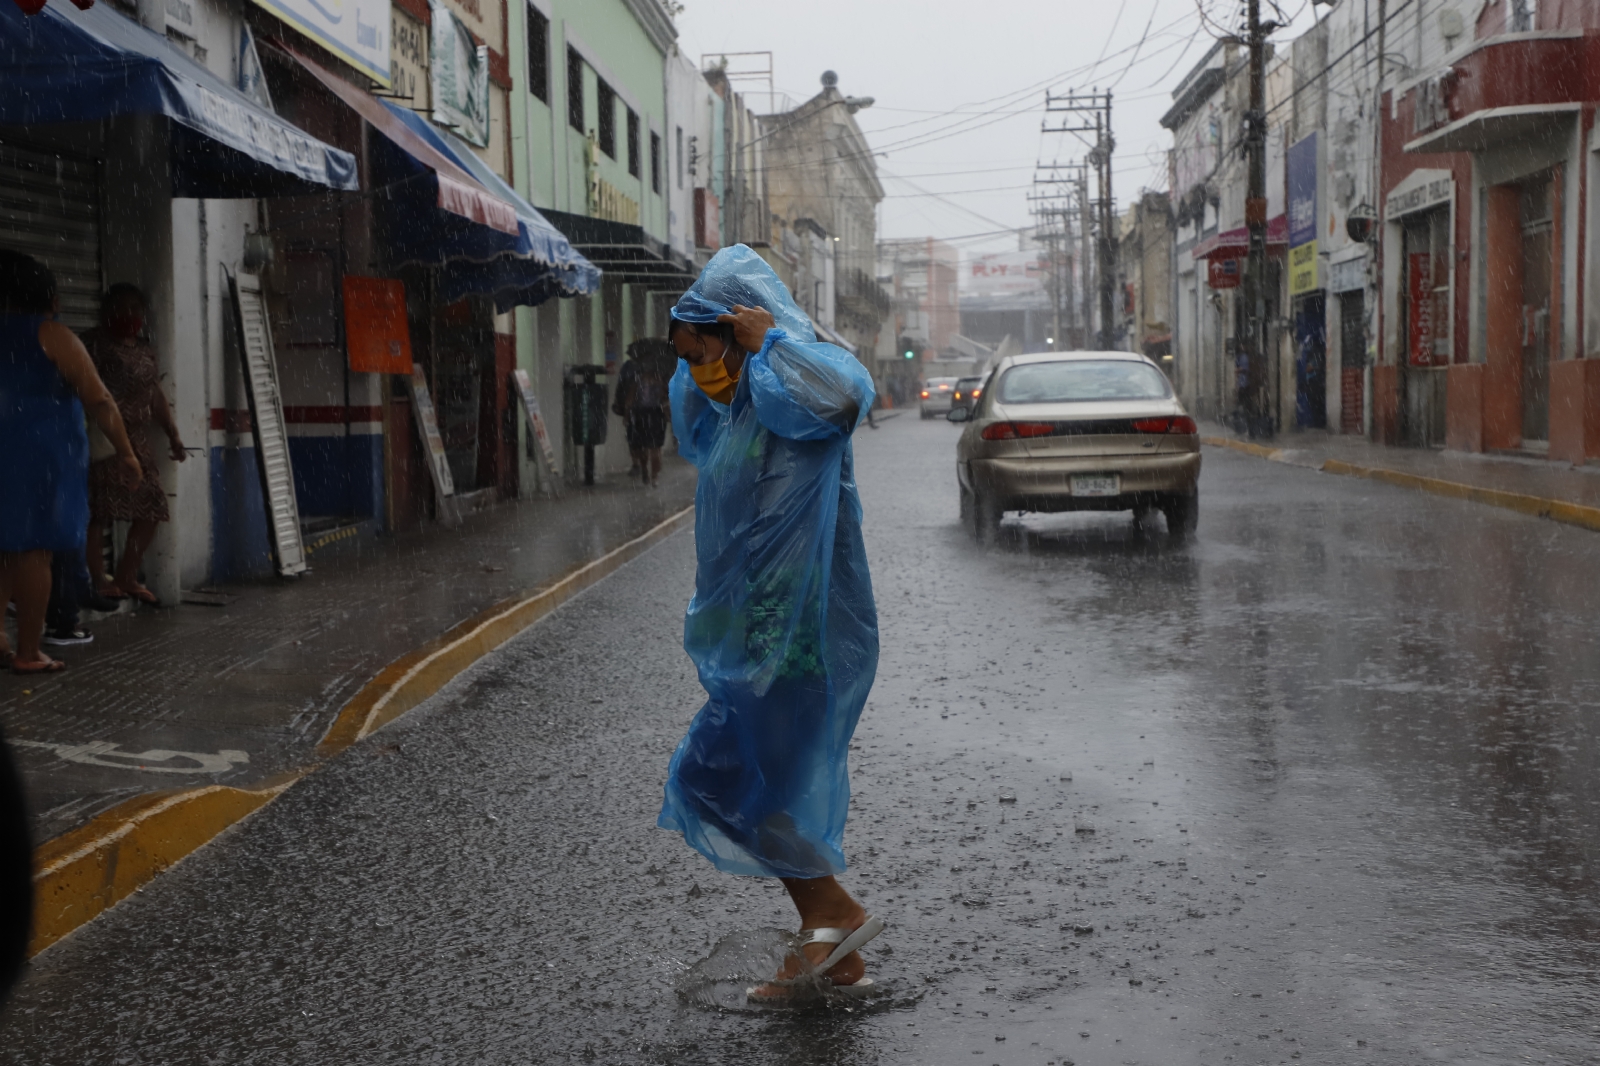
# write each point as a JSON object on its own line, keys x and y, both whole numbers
{"x": 1258, "y": 450}
{"x": 1576, "y": 514}
{"x": 412, "y": 678}
{"x": 89, "y": 870}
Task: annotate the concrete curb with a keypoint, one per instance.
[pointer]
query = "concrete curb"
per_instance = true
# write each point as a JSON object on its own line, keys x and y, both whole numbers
{"x": 87, "y": 871}
{"x": 1575, "y": 514}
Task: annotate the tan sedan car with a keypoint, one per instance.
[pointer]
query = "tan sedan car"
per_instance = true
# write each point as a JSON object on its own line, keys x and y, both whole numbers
{"x": 1077, "y": 431}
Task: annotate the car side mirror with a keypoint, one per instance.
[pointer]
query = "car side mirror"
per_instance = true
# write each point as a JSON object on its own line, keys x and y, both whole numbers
{"x": 958, "y": 414}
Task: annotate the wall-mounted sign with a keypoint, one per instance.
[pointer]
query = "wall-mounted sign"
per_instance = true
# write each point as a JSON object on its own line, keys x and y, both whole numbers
{"x": 357, "y": 31}
{"x": 459, "y": 70}
{"x": 1224, "y": 273}
{"x": 1303, "y": 171}
{"x": 408, "y": 61}
{"x": 1420, "y": 190}
{"x": 375, "y": 329}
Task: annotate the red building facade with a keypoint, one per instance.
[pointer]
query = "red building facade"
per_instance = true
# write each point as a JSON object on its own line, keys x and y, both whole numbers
{"x": 1489, "y": 338}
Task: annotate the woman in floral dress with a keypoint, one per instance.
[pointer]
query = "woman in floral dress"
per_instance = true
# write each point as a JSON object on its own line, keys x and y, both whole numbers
{"x": 127, "y": 364}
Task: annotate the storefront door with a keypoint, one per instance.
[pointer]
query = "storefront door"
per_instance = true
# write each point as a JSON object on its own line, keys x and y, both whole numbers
{"x": 1425, "y": 294}
{"x": 1311, "y": 362}
{"x": 1536, "y": 291}
{"x": 1352, "y": 360}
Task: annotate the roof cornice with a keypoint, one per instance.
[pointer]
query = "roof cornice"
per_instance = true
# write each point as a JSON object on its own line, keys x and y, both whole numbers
{"x": 657, "y": 25}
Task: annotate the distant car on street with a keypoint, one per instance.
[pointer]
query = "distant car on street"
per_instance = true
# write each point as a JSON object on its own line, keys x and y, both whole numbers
{"x": 1077, "y": 431}
{"x": 936, "y": 396}
{"x": 966, "y": 392}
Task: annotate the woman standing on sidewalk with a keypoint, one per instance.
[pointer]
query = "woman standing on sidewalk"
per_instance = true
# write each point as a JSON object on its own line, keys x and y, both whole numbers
{"x": 129, "y": 368}
{"x": 46, "y": 382}
{"x": 782, "y": 627}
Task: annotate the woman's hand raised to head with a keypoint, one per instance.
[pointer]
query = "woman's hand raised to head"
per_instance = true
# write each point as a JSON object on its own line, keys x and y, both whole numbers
{"x": 750, "y": 325}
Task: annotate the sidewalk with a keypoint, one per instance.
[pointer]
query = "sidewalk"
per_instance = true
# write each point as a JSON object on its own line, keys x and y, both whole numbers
{"x": 241, "y": 695}
{"x": 1530, "y": 485}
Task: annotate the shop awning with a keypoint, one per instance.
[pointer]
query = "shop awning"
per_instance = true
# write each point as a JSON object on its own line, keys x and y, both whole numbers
{"x": 828, "y": 335}
{"x": 67, "y": 65}
{"x": 455, "y": 191}
{"x": 544, "y": 263}
{"x": 626, "y": 252}
{"x": 1494, "y": 127}
{"x": 1235, "y": 243}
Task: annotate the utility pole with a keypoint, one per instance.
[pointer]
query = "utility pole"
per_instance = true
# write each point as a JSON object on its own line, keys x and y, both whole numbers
{"x": 1254, "y": 397}
{"x": 1056, "y": 234}
{"x": 1098, "y": 104}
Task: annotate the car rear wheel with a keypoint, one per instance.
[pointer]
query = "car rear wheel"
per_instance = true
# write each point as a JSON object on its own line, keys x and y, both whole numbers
{"x": 1183, "y": 515}
{"x": 984, "y": 523}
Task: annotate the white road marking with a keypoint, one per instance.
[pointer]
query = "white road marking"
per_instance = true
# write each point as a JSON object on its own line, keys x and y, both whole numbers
{"x": 106, "y": 753}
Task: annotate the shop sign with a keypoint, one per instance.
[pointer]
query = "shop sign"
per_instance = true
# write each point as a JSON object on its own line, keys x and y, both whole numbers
{"x": 375, "y": 329}
{"x": 547, "y": 452}
{"x": 444, "y": 486}
{"x": 1224, "y": 273}
{"x": 357, "y": 31}
{"x": 1349, "y": 275}
{"x": 1420, "y": 190}
{"x": 459, "y": 70}
{"x": 1419, "y": 310}
{"x": 408, "y": 61}
{"x": 1302, "y": 180}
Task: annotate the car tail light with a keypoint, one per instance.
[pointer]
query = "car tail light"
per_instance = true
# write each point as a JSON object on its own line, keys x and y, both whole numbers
{"x": 1176, "y": 424}
{"x": 1015, "y": 430}
{"x": 924, "y": 394}
{"x": 976, "y": 393}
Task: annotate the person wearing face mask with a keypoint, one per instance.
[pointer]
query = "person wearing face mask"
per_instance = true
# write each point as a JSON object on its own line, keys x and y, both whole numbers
{"x": 128, "y": 365}
{"x": 782, "y": 627}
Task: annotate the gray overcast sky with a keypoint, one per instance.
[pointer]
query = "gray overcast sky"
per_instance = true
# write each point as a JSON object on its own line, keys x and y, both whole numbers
{"x": 960, "y": 88}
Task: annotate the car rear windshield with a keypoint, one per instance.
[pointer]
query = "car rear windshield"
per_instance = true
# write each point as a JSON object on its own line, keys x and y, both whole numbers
{"x": 1083, "y": 381}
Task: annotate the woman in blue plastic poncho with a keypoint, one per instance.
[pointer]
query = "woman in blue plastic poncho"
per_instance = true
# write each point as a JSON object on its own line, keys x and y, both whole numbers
{"x": 782, "y": 627}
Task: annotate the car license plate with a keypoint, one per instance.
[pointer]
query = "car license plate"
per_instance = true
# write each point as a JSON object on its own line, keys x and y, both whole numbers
{"x": 1096, "y": 484}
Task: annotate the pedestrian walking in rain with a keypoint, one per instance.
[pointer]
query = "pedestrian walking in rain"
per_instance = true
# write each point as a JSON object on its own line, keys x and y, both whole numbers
{"x": 46, "y": 382}
{"x": 642, "y": 403}
{"x": 782, "y": 627}
{"x": 128, "y": 365}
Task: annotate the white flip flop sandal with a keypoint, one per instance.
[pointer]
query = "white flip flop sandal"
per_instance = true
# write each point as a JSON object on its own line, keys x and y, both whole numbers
{"x": 847, "y": 940}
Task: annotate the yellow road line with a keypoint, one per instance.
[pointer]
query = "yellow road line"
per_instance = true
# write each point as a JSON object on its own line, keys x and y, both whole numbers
{"x": 1257, "y": 450}
{"x": 1575, "y": 514}
{"x": 412, "y": 678}
{"x": 87, "y": 871}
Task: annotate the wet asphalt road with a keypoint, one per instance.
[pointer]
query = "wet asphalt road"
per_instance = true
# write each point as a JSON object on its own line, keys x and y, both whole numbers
{"x": 1318, "y": 787}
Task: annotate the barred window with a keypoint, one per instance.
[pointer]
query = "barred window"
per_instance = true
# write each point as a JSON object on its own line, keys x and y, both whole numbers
{"x": 606, "y": 97}
{"x": 538, "y": 54}
{"x": 633, "y": 143}
{"x": 574, "y": 89}
{"x": 655, "y": 162}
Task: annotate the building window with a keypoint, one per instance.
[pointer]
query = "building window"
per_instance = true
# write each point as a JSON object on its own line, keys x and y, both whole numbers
{"x": 606, "y": 98}
{"x": 655, "y": 162}
{"x": 633, "y": 143}
{"x": 677, "y": 151}
{"x": 538, "y": 54}
{"x": 574, "y": 89}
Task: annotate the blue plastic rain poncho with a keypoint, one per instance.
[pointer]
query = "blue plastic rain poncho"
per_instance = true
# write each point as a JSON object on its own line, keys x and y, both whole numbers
{"x": 782, "y": 627}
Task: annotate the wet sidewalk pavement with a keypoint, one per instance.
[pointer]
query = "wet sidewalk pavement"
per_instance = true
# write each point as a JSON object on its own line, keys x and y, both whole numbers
{"x": 1482, "y": 473}
{"x": 238, "y": 694}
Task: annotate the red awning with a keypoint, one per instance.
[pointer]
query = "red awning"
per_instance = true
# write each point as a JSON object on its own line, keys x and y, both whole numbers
{"x": 1235, "y": 243}
{"x": 459, "y": 192}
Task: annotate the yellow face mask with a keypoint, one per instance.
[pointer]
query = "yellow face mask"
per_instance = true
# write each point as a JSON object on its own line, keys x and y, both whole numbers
{"x": 715, "y": 381}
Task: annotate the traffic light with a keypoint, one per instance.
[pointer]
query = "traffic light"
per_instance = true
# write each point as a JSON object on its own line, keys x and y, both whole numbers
{"x": 907, "y": 346}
